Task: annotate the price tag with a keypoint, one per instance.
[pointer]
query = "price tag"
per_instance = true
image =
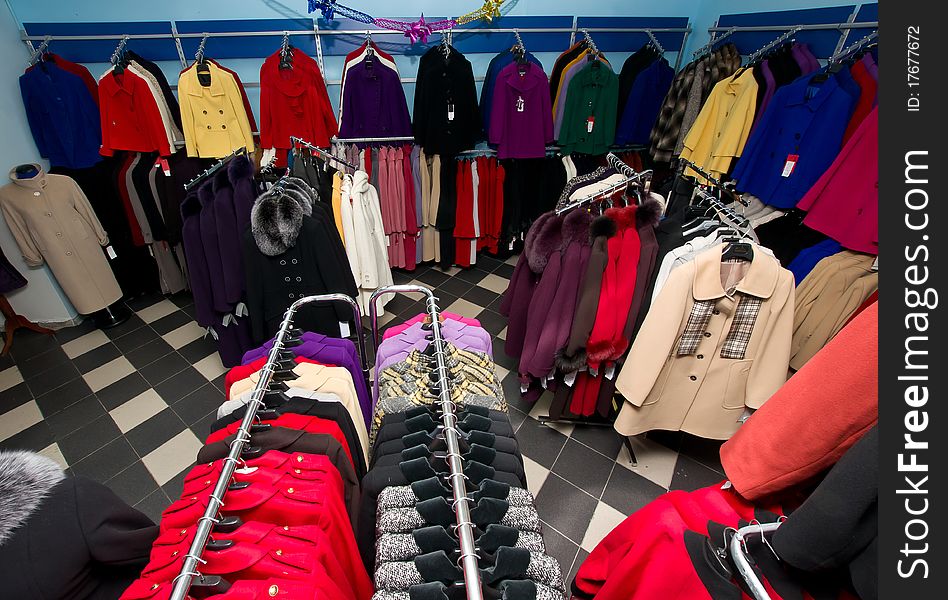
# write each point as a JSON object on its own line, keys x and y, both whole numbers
{"x": 726, "y": 486}
{"x": 590, "y": 122}
{"x": 875, "y": 264}
{"x": 111, "y": 252}
{"x": 610, "y": 372}
{"x": 343, "y": 329}
{"x": 450, "y": 112}
{"x": 519, "y": 103}
{"x": 570, "y": 378}
{"x": 790, "y": 164}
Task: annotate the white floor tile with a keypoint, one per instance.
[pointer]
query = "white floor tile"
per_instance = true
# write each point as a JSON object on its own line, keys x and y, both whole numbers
{"x": 503, "y": 334}
{"x": 655, "y": 461}
{"x": 9, "y": 378}
{"x": 52, "y": 451}
{"x": 85, "y": 343}
{"x": 513, "y": 259}
{"x": 604, "y": 520}
{"x": 138, "y": 410}
{"x": 211, "y": 367}
{"x": 536, "y": 475}
{"x": 452, "y": 271}
{"x": 464, "y": 308}
{"x": 158, "y": 310}
{"x": 173, "y": 456}
{"x": 108, "y": 373}
{"x": 494, "y": 283}
{"x": 184, "y": 335}
{"x": 500, "y": 372}
{"x": 20, "y": 418}
{"x": 542, "y": 409}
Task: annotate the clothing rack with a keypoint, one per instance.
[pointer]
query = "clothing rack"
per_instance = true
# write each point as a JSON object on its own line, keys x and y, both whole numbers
{"x": 461, "y": 501}
{"x": 654, "y": 40}
{"x": 322, "y": 153}
{"x": 38, "y": 53}
{"x": 119, "y": 50}
{"x": 369, "y": 140}
{"x": 737, "y": 547}
{"x": 715, "y": 39}
{"x": 854, "y": 47}
{"x": 592, "y": 44}
{"x": 596, "y": 196}
{"x": 737, "y": 220}
{"x": 773, "y": 44}
{"x": 205, "y": 525}
{"x": 199, "y": 55}
{"x": 214, "y": 168}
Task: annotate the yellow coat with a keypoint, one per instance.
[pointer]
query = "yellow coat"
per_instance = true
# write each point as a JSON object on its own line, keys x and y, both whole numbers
{"x": 213, "y": 118}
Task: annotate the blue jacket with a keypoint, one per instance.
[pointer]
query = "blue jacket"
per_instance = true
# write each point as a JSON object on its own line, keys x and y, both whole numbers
{"x": 803, "y": 120}
{"x": 644, "y": 103}
{"x": 62, "y": 115}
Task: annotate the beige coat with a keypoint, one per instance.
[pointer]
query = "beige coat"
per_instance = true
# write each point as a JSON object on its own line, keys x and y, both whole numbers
{"x": 53, "y": 222}
{"x": 703, "y": 393}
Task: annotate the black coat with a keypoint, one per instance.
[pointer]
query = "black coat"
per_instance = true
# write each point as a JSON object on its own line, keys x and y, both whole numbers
{"x": 65, "y": 538}
{"x": 444, "y": 83}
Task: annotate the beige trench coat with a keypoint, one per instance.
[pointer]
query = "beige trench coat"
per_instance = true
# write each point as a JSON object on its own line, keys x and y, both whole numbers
{"x": 53, "y": 222}
{"x": 702, "y": 393}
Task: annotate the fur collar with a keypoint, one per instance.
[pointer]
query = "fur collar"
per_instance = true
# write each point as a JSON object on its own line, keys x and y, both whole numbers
{"x": 239, "y": 168}
{"x": 576, "y": 227}
{"x": 205, "y": 193}
{"x": 190, "y": 206}
{"x": 549, "y": 237}
{"x": 533, "y": 232}
{"x": 221, "y": 181}
{"x": 26, "y": 478}
{"x": 276, "y": 219}
{"x": 649, "y": 213}
{"x": 602, "y": 227}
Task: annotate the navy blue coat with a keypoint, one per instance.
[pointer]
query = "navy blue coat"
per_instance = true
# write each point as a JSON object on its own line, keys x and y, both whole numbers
{"x": 63, "y": 116}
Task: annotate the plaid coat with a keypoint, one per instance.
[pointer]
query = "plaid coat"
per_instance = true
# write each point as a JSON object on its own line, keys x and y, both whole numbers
{"x": 705, "y": 389}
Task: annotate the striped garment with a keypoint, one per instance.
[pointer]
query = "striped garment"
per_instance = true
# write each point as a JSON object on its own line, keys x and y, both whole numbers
{"x": 739, "y": 335}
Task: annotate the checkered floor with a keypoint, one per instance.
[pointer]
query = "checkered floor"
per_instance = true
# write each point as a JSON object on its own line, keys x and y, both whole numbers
{"x": 129, "y": 407}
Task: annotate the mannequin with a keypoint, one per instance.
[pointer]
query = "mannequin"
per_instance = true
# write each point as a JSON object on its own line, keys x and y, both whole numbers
{"x": 52, "y": 222}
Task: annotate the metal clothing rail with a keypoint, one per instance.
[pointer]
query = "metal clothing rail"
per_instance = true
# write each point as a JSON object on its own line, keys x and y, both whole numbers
{"x": 461, "y": 501}
{"x": 314, "y": 148}
{"x": 737, "y": 547}
{"x": 189, "y": 570}
{"x": 214, "y": 168}
{"x": 854, "y": 47}
{"x": 809, "y": 27}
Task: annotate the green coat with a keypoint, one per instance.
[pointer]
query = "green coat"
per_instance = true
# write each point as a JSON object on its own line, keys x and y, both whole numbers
{"x": 594, "y": 93}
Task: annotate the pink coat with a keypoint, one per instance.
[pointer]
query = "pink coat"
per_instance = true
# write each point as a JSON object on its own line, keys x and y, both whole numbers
{"x": 844, "y": 202}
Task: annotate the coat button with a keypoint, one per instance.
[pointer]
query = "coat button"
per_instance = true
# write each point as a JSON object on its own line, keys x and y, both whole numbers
{"x": 294, "y": 261}
{"x": 287, "y": 279}
{"x": 273, "y": 591}
{"x": 297, "y": 471}
{"x": 700, "y": 356}
{"x": 707, "y": 334}
{"x": 291, "y": 296}
{"x": 154, "y": 586}
{"x": 36, "y": 193}
{"x": 715, "y": 312}
{"x": 69, "y": 254}
{"x": 286, "y": 528}
{"x": 204, "y": 111}
{"x": 693, "y": 378}
{"x": 282, "y": 262}
{"x": 278, "y": 552}
{"x": 220, "y": 111}
{"x": 59, "y": 234}
{"x": 49, "y": 214}
{"x": 223, "y": 126}
{"x": 299, "y": 279}
{"x": 290, "y": 490}
{"x": 299, "y": 458}
{"x": 208, "y": 126}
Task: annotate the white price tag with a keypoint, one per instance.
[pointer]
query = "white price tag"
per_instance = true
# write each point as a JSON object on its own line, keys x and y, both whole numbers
{"x": 610, "y": 372}
{"x": 570, "y": 378}
{"x": 343, "y": 329}
{"x": 789, "y": 165}
{"x": 111, "y": 252}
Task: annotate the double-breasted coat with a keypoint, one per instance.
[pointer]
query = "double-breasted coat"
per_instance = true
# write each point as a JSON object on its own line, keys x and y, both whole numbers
{"x": 703, "y": 392}
{"x": 53, "y": 222}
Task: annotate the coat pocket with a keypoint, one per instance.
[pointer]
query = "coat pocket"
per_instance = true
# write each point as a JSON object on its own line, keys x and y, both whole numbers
{"x": 80, "y": 229}
{"x": 659, "y": 388}
{"x": 736, "y": 391}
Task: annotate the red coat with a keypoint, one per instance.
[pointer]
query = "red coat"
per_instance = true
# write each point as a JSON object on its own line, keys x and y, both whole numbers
{"x": 266, "y": 589}
{"x": 812, "y": 420}
{"x": 294, "y": 102}
{"x": 129, "y": 115}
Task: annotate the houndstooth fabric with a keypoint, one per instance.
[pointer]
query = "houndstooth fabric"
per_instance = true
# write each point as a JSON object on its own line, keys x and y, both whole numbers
{"x": 742, "y": 328}
{"x": 403, "y": 520}
{"x": 545, "y": 569}
{"x": 394, "y": 576}
{"x": 403, "y": 546}
{"x": 384, "y": 595}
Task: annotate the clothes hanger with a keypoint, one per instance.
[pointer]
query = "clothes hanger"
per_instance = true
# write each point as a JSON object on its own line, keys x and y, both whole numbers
{"x": 204, "y": 586}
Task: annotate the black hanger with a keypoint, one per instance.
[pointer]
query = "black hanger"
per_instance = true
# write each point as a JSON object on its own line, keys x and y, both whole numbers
{"x": 738, "y": 251}
{"x": 218, "y": 545}
{"x": 208, "y": 585}
{"x": 228, "y": 524}
{"x": 251, "y": 452}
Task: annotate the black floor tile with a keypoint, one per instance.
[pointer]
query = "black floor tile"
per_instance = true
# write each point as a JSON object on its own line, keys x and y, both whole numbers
{"x": 155, "y": 431}
{"x": 52, "y": 379}
{"x": 64, "y": 396}
{"x": 180, "y": 385}
{"x": 163, "y": 368}
{"x": 27, "y": 344}
{"x": 144, "y": 301}
{"x": 415, "y": 308}
{"x": 202, "y": 428}
{"x": 444, "y": 299}
{"x": 220, "y": 383}
{"x": 627, "y": 492}
{"x": 33, "y": 438}
{"x": 198, "y": 404}
{"x": 488, "y": 263}
{"x": 495, "y": 305}
{"x": 455, "y": 287}
{"x": 190, "y": 311}
{"x": 516, "y": 418}
{"x": 399, "y": 303}
{"x": 506, "y": 271}
{"x": 133, "y": 484}
{"x": 691, "y": 475}
{"x": 6, "y": 361}
{"x": 15, "y": 396}
{"x": 175, "y": 486}
{"x": 68, "y": 334}
{"x": 511, "y": 385}
{"x": 565, "y": 507}
{"x": 153, "y": 504}
{"x": 106, "y": 462}
{"x": 583, "y": 467}
{"x": 493, "y": 322}
{"x": 94, "y": 359}
{"x": 541, "y": 444}
{"x": 706, "y": 452}
{"x": 432, "y": 277}
{"x": 602, "y": 439}
{"x": 134, "y": 322}
{"x": 170, "y": 322}
{"x": 182, "y": 299}
{"x": 400, "y": 277}
{"x": 136, "y": 339}
{"x": 198, "y": 349}
{"x": 76, "y": 416}
{"x": 149, "y": 353}
{"x": 123, "y": 390}
{"x": 37, "y": 365}
{"x": 472, "y": 275}
{"x": 560, "y": 548}
{"x": 88, "y": 438}
{"x": 480, "y": 296}
{"x": 580, "y": 559}
{"x": 508, "y": 362}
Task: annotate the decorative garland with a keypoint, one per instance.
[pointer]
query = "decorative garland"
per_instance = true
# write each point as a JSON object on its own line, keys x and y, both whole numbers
{"x": 414, "y": 30}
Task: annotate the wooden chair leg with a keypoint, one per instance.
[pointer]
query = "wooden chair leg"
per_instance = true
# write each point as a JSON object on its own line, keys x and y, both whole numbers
{"x": 13, "y": 321}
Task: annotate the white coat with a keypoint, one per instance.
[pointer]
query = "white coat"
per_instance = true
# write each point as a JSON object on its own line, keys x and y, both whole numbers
{"x": 365, "y": 238}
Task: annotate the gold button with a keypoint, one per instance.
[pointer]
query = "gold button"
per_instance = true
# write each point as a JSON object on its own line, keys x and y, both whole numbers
{"x": 279, "y": 552}
{"x": 299, "y": 458}
{"x": 289, "y": 491}
{"x": 173, "y": 554}
{"x": 286, "y": 528}
{"x": 208, "y": 482}
{"x": 273, "y": 591}
{"x": 297, "y": 471}
{"x": 154, "y": 586}
{"x": 184, "y": 531}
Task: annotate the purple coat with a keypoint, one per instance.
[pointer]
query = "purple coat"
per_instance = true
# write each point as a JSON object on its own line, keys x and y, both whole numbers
{"x": 212, "y": 253}
{"x": 374, "y": 103}
{"x": 240, "y": 173}
{"x": 228, "y": 239}
{"x": 198, "y": 272}
{"x": 521, "y": 118}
